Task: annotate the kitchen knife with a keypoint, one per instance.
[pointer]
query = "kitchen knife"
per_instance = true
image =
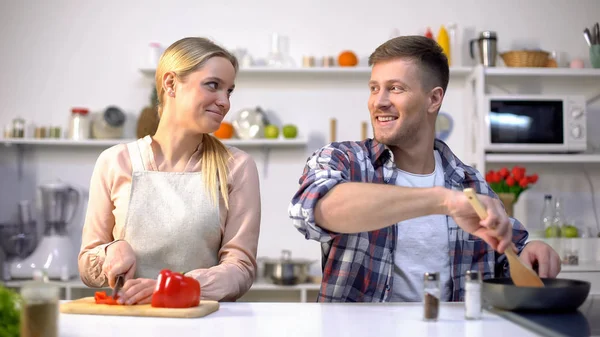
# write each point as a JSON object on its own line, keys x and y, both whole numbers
{"x": 588, "y": 37}
{"x": 118, "y": 285}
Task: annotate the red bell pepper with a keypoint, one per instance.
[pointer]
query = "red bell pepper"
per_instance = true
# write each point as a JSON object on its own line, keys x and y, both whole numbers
{"x": 174, "y": 290}
{"x": 102, "y": 298}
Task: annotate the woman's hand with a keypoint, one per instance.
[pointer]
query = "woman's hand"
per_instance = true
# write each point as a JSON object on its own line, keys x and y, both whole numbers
{"x": 120, "y": 259}
{"x": 137, "y": 291}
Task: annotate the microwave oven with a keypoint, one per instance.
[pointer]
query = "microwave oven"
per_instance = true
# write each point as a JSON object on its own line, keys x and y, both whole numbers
{"x": 535, "y": 123}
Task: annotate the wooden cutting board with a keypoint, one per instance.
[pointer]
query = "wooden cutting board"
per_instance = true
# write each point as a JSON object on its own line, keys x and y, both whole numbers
{"x": 88, "y": 306}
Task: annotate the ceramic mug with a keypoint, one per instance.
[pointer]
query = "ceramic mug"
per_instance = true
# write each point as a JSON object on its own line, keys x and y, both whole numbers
{"x": 595, "y": 55}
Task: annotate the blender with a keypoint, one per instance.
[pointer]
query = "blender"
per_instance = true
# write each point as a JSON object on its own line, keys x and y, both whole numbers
{"x": 55, "y": 256}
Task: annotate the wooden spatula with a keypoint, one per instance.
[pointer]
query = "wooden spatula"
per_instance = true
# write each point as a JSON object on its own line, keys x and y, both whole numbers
{"x": 522, "y": 275}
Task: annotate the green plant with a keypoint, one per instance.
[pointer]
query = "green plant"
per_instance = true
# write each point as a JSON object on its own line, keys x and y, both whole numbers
{"x": 10, "y": 315}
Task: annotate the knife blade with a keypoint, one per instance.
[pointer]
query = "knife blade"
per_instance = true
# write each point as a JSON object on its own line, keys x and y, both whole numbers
{"x": 118, "y": 285}
{"x": 587, "y": 35}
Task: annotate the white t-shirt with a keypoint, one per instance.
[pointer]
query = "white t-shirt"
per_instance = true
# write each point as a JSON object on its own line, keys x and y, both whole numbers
{"x": 422, "y": 243}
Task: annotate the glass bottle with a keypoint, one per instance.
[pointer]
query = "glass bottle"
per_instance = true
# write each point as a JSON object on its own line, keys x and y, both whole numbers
{"x": 18, "y": 127}
{"x": 558, "y": 221}
{"x": 431, "y": 296}
{"x": 548, "y": 218}
{"x": 473, "y": 307}
{"x": 79, "y": 128}
{"x": 279, "y": 57}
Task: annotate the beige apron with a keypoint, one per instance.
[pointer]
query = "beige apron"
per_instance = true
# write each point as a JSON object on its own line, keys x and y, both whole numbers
{"x": 171, "y": 222}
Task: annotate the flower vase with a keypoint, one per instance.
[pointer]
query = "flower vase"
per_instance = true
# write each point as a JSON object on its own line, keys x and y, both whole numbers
{"x": 508, "y": 199}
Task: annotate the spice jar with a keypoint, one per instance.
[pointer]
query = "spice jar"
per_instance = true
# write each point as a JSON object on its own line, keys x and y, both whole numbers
{"x": 39, "y": 309}
{"x": 473, "y": 307}
{"x": 79, "y": 128}
{"x": 18, "y": 128}
{"x": 431, "y": 294}
{"x": 8, "y": 131}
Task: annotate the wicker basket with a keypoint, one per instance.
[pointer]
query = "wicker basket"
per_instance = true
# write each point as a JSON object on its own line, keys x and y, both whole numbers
{"x": 525, "y": 58}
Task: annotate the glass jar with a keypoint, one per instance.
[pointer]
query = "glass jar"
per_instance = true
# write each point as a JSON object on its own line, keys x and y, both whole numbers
{"x": 79, "y": 128}
{"x": 431, "y": 296}
{"x": 18, "y": 128}
{"x": 39, "y": 309}
{"x": 473, "y": 307}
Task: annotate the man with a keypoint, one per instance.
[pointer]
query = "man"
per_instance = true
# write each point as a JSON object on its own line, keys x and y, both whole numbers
{"x": 387, "y": 210}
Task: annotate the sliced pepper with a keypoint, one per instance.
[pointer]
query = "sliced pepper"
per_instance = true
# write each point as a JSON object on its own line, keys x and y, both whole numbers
{"x": 102, "y": 298}
{"x": 175, "y": 290}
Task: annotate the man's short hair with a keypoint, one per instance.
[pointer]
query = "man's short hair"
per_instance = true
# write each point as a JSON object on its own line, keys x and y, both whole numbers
{"x": 425, "y": 52}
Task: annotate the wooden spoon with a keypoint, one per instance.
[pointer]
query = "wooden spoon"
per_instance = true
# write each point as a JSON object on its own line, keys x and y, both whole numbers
{"x": 521, "y": 275}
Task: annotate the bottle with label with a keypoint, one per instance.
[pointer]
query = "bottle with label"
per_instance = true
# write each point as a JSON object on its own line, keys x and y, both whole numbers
{"x": 429, "y": 33}
{"x": 444, "y": 41}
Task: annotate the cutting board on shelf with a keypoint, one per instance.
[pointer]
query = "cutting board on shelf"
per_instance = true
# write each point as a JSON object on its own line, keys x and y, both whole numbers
{"x": 88, "y": 306}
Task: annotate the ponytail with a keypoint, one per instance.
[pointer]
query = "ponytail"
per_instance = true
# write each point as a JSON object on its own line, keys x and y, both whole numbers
{"x": 215, "y": 157}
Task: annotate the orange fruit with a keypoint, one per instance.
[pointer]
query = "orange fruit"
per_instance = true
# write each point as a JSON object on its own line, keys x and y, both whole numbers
{"x": 225, "y": 131}
{"x": 347, "y": 58}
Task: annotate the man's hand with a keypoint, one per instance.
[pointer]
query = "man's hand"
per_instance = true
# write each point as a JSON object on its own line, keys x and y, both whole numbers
{"x": 496, "y": 229}
{"x": 547, "y": 259}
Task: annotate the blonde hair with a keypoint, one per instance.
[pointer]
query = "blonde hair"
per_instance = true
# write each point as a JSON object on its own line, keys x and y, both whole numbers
{"x": 183, "y": 58}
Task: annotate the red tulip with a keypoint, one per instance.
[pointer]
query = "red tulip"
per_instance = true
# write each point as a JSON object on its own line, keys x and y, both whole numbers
{"x": 504, "y": 172}
{"x": 518, "y": 172}
{"x": 523, "y": 182}
{"x": 510, "y": 181}
{"x": 533, "y": 178}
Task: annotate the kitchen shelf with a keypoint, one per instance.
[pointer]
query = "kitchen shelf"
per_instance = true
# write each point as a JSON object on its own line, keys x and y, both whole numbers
{"x": 265, "y": 145}
{"x": 541, "y": 72}
{"x": 281, "y": 142}
{"x": 542, "y": 158}
{"x": 454, "y": 71}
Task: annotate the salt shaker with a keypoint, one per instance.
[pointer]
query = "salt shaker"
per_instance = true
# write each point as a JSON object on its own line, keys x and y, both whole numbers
{"x": 473, "y": 307}
{"x": 431, "y": 294}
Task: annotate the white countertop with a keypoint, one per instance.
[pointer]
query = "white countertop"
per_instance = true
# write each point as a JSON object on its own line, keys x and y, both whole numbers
{"x": 299, "y": 319}
{"x": 583, "y": 266}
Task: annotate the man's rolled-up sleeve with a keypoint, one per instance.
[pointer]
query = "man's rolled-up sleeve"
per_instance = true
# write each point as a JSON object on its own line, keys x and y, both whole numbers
{"x": 325, "y": 169}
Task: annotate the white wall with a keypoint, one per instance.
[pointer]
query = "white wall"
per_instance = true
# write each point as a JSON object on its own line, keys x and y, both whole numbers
{"x": 60, "y": 54}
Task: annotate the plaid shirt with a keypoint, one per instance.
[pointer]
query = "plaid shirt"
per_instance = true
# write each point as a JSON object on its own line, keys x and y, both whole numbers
{"x": 358, "y": 267}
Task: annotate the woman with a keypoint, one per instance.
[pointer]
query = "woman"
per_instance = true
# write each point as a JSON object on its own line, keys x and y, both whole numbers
{"x": 158, "y": 202}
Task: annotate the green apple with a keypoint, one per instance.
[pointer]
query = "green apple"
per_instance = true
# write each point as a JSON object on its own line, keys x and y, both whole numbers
{"x": 570, "y": 231}
{"x": 290, "y": 131}
{"x": 553, "y": 231}
{"x": 271, "y": 131}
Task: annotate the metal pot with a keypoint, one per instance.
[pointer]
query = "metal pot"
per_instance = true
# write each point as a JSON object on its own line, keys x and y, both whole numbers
{"x": 287, "y": 271}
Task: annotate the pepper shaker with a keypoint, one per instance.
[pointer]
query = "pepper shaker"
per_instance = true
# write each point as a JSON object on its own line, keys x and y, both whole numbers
{"x": 431, "y": 294}
{"x": 473, "y": 307}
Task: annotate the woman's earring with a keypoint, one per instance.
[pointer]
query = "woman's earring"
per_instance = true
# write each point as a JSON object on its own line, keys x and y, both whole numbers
{"x": 171, "y": 93}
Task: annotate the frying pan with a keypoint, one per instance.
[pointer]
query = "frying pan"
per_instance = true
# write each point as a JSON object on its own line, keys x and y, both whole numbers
{"x": 556, "y": 295}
